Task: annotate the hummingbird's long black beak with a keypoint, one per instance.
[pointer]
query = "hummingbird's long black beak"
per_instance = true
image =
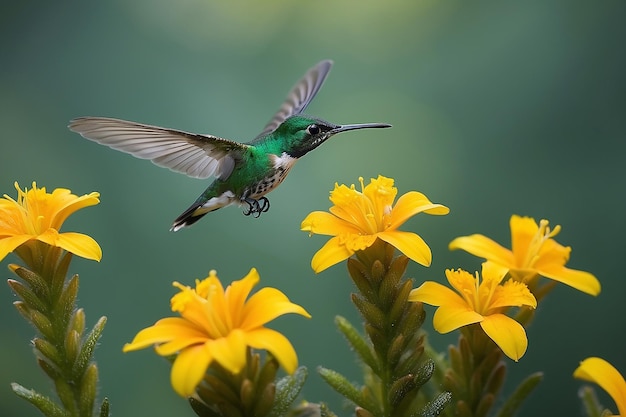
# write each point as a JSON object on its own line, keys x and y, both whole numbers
{"x": 345, "y": 128}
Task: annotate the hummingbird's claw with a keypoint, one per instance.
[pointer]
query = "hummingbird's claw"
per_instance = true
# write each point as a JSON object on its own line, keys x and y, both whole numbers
{"x": 256, "y": 207}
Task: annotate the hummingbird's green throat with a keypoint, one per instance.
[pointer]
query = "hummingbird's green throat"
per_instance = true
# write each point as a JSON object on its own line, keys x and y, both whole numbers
{"x": 244, "y": 172}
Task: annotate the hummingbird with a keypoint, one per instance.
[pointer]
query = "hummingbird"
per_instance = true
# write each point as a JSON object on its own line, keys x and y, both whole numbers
{"x": 244, "y": 172}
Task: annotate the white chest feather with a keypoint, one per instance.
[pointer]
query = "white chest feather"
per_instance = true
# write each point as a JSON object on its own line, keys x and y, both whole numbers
{"x": 281, "y": 164}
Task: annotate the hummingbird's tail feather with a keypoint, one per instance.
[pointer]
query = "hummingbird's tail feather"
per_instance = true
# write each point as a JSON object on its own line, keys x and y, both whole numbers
{"x": 207, "y": 202}
{"x": 189, "y": 217}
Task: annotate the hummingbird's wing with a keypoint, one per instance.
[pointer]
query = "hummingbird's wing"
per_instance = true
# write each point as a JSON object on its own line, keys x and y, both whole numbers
{"x": 198, "y": 156}
{"x": 300, "y": 95}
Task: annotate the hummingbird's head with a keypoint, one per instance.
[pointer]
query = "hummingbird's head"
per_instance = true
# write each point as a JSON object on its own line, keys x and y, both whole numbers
{"x": 302, "y": 134}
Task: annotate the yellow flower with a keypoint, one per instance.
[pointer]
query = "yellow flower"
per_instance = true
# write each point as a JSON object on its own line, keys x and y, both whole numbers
{"x": 534, "y": 252}
{"x": 218, "y": 325}
{"x": 604, "y": 374}
{"x": 479, "y": 302}
{"x": 37, "y": 215}
{"x": 357, "y": 219}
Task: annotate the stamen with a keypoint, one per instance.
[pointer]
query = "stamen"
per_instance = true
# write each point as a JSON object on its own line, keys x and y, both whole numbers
{"x": 543, "y": 234}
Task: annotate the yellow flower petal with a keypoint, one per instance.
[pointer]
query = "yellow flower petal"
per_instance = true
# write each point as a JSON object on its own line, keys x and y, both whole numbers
{"x": 323, "y": 223}
{"x": 163, "y": 330}
{"x": 604, "y": 374}
{"x": 9, "y": 244}
{"x": 237, "y": 293}
{"x": 189, "y": 369}
{"x": 580, "y": 280}
{"x": 219, "y": 325}
{"x": 358, "y": 219}
{"x": 229, "y": 351}
{"x": 412, "y": 203}
{"x": 409, "y": 244}
{"x": 266, "y": 305}
{"x": 73, "y": 204}
{"x": 76, "y": 243}
{"x": 275, "y": 343}
{"x": 38, "y": 215}
{"x": 479, "y": 302}
{"x": 512, "y": 293}
{"x": 448, "y": 318}
{"x": 435, "y": 294}
{"x": 523, "y": 232}
{"x": 508, "y": 334}
{"x": 483, "y": 247}
{"x": 331, "y": 253}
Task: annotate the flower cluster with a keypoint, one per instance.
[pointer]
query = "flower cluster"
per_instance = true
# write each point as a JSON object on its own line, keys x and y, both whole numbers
{"x": 212, "y": 340}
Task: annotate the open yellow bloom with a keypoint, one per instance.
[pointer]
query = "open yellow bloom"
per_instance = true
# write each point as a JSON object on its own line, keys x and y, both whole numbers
{"x": 38, "y": 215}
{"x": 604, "y": 374}
{"x": 357, "y": 219}
{"x": 534, "y": 252}
{"x": 479, "y": 302}
{"x": 218, "y": 324}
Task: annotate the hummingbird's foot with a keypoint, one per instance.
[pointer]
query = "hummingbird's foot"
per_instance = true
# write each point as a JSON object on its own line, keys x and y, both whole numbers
{"x": 256, "y": 207}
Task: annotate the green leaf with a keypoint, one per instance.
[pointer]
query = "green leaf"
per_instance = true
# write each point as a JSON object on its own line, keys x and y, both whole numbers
{"x": 358, "y": 343}
{"x": 340, "y": 384}
{"x": 65, "y": 303}
{"x": 30, "y": 298}
{"x": 88, "y": 386}
{"x": 104, "y": 408}
{"x": 590, "y": 402}
{"x": 86, "y": 351}
{"x": 370, "y": 312}
{"x": 436, "y": 406}
{"x": 37, "y": 284}
{"x": 287, "y": 390}
{"x": 515, "y": 400}
{"x": 201, "y": 409}
{"x": 44, "y": 404}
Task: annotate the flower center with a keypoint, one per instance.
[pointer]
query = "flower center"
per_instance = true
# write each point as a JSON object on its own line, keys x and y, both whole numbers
{"x": 376, "y": 215}
{"x": 539, "y": 239}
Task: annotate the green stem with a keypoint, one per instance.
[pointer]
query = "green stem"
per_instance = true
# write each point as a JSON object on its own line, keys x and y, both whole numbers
{"x": 392, "y": 324}
{"x": 65, "y": 355}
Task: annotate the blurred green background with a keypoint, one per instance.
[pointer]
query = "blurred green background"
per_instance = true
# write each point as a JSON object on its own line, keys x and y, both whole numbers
{"x": 498, "y": 108}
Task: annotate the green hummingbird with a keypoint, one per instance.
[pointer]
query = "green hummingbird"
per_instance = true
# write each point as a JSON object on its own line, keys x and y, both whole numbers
{"x": 244, "y": 172}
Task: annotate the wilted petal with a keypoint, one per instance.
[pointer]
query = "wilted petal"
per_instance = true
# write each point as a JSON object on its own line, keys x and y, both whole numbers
{"x": 189, "y": 369}
{"x": 275, "y": 343}
{"x": 408, "y": 243}
{"x": 606, "y": 376}
{"x": 483, "y": 247}
{"x": 448, "y": 318}
{"x": 508, "y": 334}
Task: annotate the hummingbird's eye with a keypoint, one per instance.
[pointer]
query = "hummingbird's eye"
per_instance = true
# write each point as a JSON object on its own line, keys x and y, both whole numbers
{"x": 313, "y": 129}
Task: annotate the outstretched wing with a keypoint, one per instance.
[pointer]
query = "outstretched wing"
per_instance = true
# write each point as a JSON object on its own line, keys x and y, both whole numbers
{"x": 300, "y": 95}
{"x": 198, "y": 156}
